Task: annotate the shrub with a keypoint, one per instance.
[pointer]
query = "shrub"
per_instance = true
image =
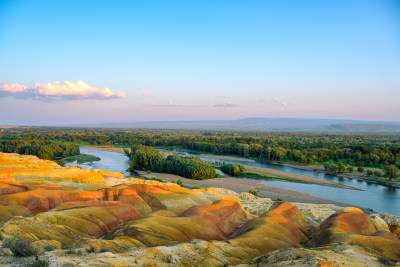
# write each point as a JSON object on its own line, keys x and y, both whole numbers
{"x": 377, "y": 173}
{"x": 386, "y": 261}
{"x": 180, "y": 183}
{"x": 90, "y": 249}
{"x": 61, "y": 162}
{"x": 20, "y": 246}
{"x": 350, "y": 169}
{"x": 157, "y": 179}
{"x": 49, "y": 248}
{"x": 253, "y": 193}
{"x": 369, "y": 172}
{"x": 39, "y": 263}
{"x": 360, "y": 169}
{"x": 233, "y": 169}
{"x": 196, "y": 187}
{"x": 341, "y": 167}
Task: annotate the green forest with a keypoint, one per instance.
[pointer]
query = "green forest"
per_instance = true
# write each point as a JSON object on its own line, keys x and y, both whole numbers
{"x": 368, "y": 150}
{"x": 148, "y": 159}
{"x": 44, "y": 149}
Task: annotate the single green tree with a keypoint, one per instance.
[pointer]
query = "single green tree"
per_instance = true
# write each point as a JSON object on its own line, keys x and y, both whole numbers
{"x": 342, "y": 168}
{"x": 391, "y": 172}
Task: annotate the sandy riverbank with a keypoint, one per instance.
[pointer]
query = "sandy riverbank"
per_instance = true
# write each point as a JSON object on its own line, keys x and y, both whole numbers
{"x": 303, "y": 178}
{"x": 237, "y": 185}
{"x": 270, "y": 171}
{"x": 221, "y": 157}
{"x": 106, "y": 148}
{"x": 242, "y": 185}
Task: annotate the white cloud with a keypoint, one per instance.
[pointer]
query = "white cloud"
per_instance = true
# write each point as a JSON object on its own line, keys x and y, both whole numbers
{"x": 12, "y": 88}
{"x": 173, "y": 104}
{"x": 146, "y": 94}
{"x": 169, "y": 104}
{"x": 283, "y": 102}
{"x": 226, "y": 105}
{"x": 57, "y": 91}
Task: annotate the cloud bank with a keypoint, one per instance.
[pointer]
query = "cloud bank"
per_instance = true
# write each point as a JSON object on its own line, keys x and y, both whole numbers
{"x": 57, "y": 91}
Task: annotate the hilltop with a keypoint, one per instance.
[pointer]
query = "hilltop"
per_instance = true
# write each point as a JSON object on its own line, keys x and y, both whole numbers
{"x": 262, "y": 124}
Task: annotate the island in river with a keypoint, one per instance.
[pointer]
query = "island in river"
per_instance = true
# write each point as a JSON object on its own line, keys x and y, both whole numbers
{"x": 294, "y": 177}
{"x": 241, "y": 185}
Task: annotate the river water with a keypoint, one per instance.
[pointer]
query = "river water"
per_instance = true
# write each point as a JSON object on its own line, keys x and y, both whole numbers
{"x": 110, "y": 161}
{"x": 377, "y": 197}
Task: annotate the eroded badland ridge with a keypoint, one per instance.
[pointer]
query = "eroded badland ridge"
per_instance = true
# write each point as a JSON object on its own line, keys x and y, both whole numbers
{"x": 72, "y": 217}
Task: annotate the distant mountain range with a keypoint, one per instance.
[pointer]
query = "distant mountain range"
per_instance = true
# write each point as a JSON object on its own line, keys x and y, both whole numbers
{"x": 263, "y": 124}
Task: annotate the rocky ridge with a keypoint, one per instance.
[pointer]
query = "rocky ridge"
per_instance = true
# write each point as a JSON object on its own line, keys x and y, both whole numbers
{"x": 95, "y": 217}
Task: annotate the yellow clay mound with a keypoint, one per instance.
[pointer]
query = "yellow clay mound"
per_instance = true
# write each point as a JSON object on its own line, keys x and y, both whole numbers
{"x": 7, "y": 212}
{"x": 43, "y": 200}
{"x": 353, "y": 227}
{"x": 212, "y": 222}
{"x": 92, "y": 221}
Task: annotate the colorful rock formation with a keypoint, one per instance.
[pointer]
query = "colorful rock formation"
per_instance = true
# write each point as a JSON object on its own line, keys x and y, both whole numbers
{"x": 147, "y": 223}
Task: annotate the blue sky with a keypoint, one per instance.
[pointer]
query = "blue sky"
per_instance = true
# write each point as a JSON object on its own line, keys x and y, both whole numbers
{"x": 195, "y": 60}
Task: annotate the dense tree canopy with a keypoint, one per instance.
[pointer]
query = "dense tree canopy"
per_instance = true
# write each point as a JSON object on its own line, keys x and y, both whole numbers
{"x": 369, "y": 150}
{"x": 147, "y": 158}
{"x": 189, "y": 167}
{"x": 233, "y": 169}
{"x": 41, "y": 149}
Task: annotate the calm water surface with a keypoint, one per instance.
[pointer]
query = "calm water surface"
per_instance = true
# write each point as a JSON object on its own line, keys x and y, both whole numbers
{"x": 110, "y": 161}
{"x": 378, "y": 197}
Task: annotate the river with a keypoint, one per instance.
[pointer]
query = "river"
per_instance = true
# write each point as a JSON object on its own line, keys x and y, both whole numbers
{"x": 378, "y": 197}
{"x": 110, "y": 161}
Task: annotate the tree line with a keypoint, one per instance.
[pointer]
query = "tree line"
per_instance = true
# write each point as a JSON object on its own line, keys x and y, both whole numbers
{"x": 368, "y": 150}
{"x": 41, "y": 149}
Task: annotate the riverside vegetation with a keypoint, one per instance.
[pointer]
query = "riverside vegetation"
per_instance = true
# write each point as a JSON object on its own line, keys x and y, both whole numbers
{"x": 345, "y": 152}
{"x": 147, "y": 158}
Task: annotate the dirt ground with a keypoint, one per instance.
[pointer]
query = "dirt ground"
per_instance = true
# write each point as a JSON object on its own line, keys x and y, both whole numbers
{"x": 106, "y": 148}
{"x": 243, "y": 185}
{"x": 302, "y": 178}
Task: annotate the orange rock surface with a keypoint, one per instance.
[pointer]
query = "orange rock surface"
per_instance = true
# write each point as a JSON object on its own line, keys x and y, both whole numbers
{"x": 213, "y": 222}
{"x": 352, "y": 226}
{"x": 171, "y": 225}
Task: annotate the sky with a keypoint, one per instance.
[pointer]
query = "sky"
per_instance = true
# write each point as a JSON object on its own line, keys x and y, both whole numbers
{"x": 75, "y": 62}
